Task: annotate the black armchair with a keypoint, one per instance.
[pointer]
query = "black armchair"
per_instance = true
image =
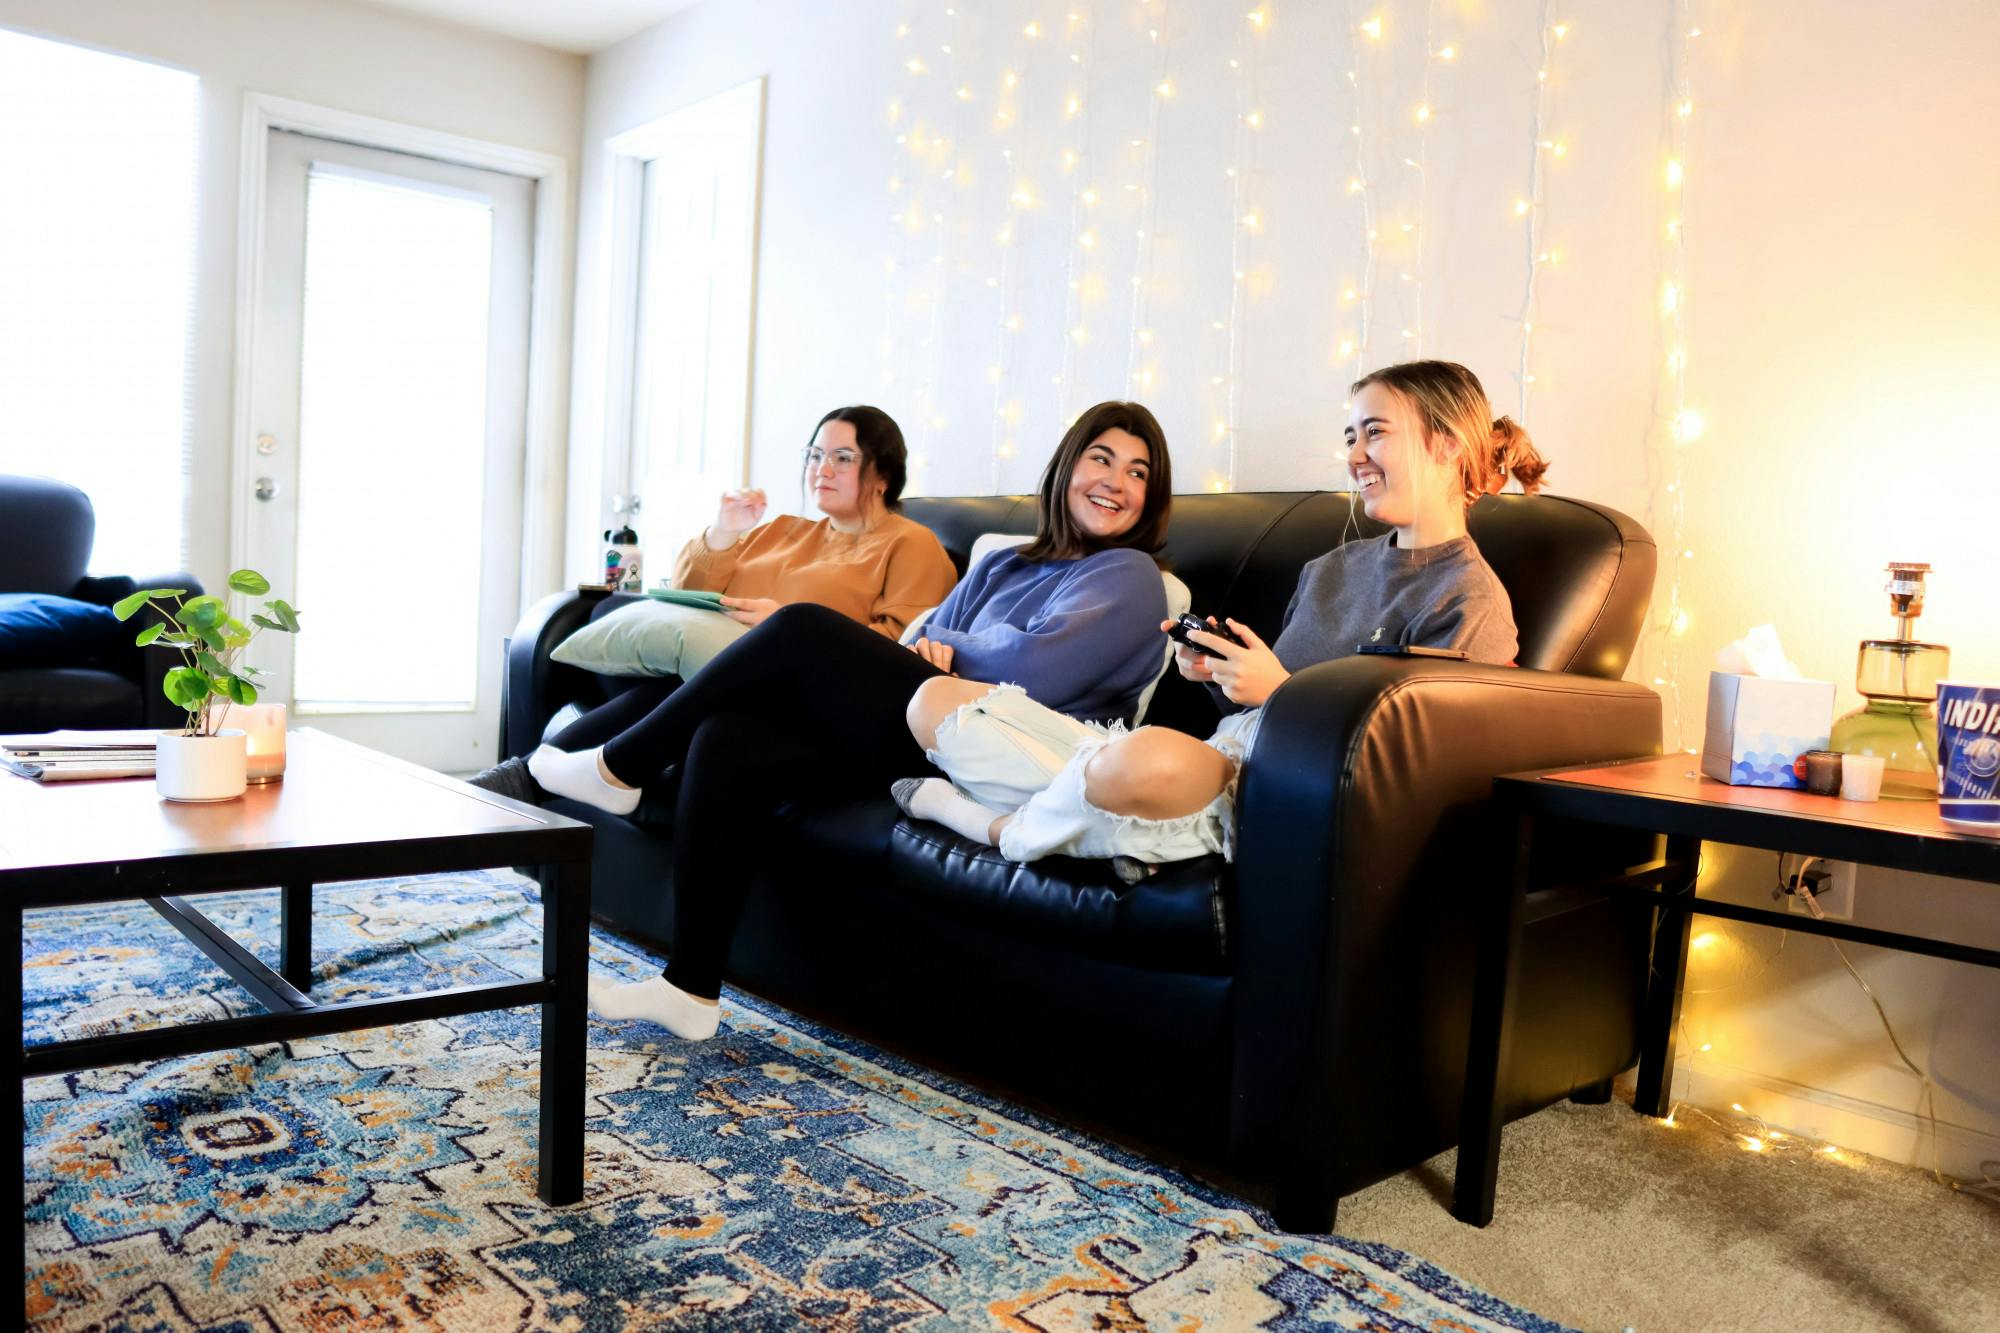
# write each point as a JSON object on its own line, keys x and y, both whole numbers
{"x": 50, "y": 528}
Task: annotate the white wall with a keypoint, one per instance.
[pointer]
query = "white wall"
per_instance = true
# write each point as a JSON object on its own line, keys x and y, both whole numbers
{"x": 1845, "y": 301}
{"x": 347, "y": 56}
{"x": 1841, "y": 313}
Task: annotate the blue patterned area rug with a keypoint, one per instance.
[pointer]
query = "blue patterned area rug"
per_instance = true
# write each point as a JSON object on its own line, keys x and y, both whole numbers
{"x": 779, "y": 1176}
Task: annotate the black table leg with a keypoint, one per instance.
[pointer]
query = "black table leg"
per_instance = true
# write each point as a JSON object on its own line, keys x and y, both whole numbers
{"x": 565, "y": 1032}
{"x": 295, "y": 935}
{"x": 1498, "y": 945}
{"x": 1662, "y": 1019}
{"x": 13, "y": 1129}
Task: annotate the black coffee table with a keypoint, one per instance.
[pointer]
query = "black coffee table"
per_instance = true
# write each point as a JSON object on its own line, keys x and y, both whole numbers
{"x": 342, "y": 813}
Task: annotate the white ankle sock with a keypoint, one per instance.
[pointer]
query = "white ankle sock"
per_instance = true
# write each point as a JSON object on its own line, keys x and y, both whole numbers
{"x": 576, "y": 776}
{"x": 937, "y": 799}
{"x": 656, "y": 1000}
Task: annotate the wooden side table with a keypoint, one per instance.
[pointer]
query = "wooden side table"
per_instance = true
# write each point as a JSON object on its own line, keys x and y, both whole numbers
{"x": 1669, "y": 796}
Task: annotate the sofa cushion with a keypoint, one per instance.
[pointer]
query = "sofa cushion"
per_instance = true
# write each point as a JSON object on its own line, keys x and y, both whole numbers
{"x": 46, "y": 698}
{"x": 1172, "y": 921}
{"x": 649, "y": 638}
{"x": 41, "y": 629}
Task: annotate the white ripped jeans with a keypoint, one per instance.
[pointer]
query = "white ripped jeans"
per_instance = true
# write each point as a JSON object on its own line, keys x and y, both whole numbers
{"x": 1009, "y": 753}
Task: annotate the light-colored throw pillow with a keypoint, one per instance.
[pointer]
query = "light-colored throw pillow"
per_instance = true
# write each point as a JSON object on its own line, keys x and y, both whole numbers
{"x": 649, "y": 638}
{"x": 1179, "y": 599}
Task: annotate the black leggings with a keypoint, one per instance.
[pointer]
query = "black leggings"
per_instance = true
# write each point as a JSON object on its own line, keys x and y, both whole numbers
{"x": 829, "y": 676}
{"x": 807, "y": 703}
{"x": 615, "y": 714}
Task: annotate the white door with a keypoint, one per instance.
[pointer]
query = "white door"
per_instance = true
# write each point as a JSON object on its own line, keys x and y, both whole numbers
{"x": 389, "y": 407}
{"x": 695, "y": 275}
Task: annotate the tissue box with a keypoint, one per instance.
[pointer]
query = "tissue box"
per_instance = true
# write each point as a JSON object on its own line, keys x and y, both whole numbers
{"x": 1759, "y": 727}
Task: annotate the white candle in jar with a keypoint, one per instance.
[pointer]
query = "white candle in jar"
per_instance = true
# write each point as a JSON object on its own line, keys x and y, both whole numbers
{"x": 264, "y": 739}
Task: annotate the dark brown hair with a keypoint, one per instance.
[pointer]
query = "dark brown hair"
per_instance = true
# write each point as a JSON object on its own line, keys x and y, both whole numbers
{"x": 1056, "y": 534}
{"x": 880, "y": 441}
{"x": 1459, "y": 428}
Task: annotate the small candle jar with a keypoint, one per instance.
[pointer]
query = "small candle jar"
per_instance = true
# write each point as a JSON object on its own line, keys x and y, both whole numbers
{"x": 1861, "y": 777}
{"x": 1823, "y": 772}
{"x": 264, "y": 735}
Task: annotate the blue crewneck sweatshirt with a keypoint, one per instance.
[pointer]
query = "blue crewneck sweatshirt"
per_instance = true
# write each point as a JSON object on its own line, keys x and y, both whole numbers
{"x": 1081, "y": 636}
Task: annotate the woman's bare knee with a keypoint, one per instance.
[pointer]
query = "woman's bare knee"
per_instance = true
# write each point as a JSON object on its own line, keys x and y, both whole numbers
{"x": 1155, "y": 774}
{"x": 935, "y": 700}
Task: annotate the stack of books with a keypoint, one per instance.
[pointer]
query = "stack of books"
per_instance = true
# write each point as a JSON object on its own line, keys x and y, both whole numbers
{"x": 78, "y": 756}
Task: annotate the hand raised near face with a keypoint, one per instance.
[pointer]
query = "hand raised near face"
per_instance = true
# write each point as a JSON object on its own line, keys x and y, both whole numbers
{"x": 739, "y": 512}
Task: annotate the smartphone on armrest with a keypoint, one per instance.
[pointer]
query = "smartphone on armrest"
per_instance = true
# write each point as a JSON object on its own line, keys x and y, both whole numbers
{"x": 1410, "y": 650}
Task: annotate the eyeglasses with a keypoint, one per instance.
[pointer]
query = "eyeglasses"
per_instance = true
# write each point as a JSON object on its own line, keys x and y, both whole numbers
{"x": 844, "y": 460}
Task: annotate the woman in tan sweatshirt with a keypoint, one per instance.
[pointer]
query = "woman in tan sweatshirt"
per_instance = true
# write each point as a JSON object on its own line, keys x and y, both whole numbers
{"x": 863, "y": 559}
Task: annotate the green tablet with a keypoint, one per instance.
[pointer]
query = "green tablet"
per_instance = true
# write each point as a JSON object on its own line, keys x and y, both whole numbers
{"x": 710, "y": 601}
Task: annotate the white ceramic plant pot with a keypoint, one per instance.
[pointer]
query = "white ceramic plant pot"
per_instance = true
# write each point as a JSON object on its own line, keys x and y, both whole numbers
{"x": 200, "y": 768}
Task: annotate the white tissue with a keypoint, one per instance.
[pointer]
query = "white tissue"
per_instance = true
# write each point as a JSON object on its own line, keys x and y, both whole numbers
{"x": 1758, "y": 653}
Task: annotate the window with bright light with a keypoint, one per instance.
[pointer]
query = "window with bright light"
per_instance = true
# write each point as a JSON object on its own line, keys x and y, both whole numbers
{"x": 392, "y": 440}
{"x": 98, "y": 179}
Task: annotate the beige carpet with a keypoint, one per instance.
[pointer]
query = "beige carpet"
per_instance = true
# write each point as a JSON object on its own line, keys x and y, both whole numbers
{"x": 1610, "y": 1220}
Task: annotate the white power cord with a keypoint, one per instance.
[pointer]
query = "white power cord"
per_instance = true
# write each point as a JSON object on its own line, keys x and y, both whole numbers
{"x": 1989, "y": 1187}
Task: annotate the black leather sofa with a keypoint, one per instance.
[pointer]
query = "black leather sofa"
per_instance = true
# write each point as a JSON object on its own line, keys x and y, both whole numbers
{"x": 50, "y": 529}
{"x": 1299, "y": 1018}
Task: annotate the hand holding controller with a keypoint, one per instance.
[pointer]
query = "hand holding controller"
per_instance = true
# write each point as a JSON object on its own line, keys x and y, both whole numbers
{"x": 1243, "y": 667}
{"x": 1179, "y": 630}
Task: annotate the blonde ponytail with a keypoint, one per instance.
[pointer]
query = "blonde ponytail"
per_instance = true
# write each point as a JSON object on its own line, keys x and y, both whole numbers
{"x": 1515, "y": 454}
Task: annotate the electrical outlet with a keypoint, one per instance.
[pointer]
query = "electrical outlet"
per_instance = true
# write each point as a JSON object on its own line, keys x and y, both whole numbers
{"x": 1836, "y": 900}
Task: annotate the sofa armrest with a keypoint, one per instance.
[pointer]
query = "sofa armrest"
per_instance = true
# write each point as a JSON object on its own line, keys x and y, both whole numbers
{"x": 1365, "y": 830}
{"x": 533, "y": 688}
{"x": 109, "y": 589}
{"x": 147, "y": 666}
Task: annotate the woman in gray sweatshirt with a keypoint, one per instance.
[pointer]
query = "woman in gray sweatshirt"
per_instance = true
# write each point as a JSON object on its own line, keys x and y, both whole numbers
{"x": 1422, "y": 446}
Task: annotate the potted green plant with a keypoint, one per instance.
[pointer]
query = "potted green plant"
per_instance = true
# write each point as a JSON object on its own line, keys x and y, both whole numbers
{"x": 203, "y": 762}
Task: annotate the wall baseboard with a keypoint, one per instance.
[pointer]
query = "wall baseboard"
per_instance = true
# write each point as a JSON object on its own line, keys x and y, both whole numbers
{"x": 1887, "y": 1132}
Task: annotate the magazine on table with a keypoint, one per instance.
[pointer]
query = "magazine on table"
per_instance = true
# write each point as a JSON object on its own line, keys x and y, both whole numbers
{"x": 78, "y": 756}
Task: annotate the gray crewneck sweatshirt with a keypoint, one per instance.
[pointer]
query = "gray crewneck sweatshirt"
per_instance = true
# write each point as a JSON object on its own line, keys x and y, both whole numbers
{"x": 1373, "y": 591}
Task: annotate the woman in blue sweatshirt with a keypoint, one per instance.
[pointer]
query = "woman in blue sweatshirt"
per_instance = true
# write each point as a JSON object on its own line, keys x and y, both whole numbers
{"x": 810, "y": 701}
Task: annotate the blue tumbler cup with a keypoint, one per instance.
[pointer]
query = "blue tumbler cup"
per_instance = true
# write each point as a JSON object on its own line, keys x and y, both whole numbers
{"x": 1968, "y": 723}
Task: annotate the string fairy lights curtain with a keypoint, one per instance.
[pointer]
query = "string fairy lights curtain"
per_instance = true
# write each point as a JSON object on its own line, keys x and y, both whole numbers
{"x": 1245, "y": 222}
{"x": 1533, "y": 207}
{"x": 1141, "y": 377}
{"x": 1079, "y": 35}
{"x": 1685, "y": 424}
{"x": 1111, "y": 198}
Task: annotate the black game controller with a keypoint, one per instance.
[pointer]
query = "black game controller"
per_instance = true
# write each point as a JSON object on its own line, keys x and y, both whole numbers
{"x": 1190, "y": 621}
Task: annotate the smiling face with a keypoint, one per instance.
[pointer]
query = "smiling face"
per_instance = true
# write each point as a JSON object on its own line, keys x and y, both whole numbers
{"x": 1392, "y": 469}
{"x": 1106, "y": 494}
{"x": 843, "y": 484}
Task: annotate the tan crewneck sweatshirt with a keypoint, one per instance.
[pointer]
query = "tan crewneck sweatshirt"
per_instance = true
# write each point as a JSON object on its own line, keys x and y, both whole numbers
{"x": 882, "y": 577}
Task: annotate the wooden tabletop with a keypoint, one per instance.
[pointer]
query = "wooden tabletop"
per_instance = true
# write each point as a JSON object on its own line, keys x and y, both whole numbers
{"x": 1669, "y": 794}
{"x": 335, "y": 794}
